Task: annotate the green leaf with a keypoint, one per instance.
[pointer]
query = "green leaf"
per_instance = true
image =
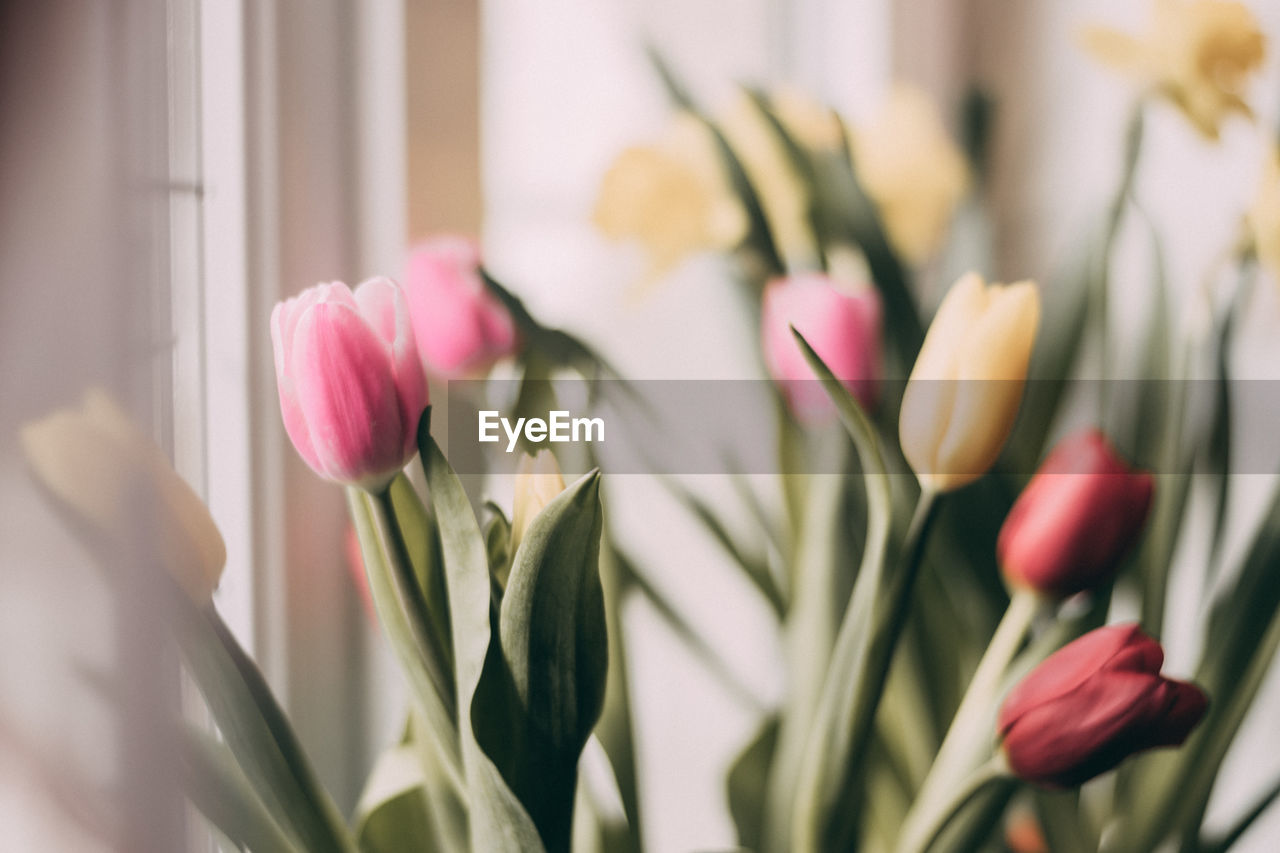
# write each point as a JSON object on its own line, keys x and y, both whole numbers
{"x": 759, "y": 235}
{"x": 257, "y": 730}
{"x": 748, "y": 783}
{"x": 1241, "y": 641}
{"x": 836, "y": 749}
{"x": 498, "y": 821}
{"x": 543, "y": 685}
{"x": 497, "y": 544}
{"x": 428, "y": 693}
{"x": 1057, "y": 348}
{"x": 616, "y": 729}
{"x": 422, "y": 541}
{"x": 394, "y": 806}
{"x": 218, "y": 787}
{"x": 820, "y": 217}
{"x": 838, "y": 171}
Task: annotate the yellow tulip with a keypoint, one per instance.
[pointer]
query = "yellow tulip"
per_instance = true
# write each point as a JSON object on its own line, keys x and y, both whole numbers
{"x": 538, "y": 482}
{"x": 964, "y": 391}
{"x": 1198, "y": 53}
{"x": 120, "y": 484}
{"x": 673, "y": 197}
{"x": 912, "y": 170}
{"x": 1263, "y": 217}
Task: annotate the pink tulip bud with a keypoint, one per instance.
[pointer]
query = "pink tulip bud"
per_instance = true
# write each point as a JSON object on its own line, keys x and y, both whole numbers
{"x": 462, "y": 329}
{"x": 351, "y": 386}
{"x": 840, "y": 323}
{"x": 1093, "y": 703}
{"x": 1075, "y": 520}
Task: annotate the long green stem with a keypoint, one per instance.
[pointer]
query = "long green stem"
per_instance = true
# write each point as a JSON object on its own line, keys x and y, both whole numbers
{"x": 1115, "y": 217}
{"x": 414, "y": 602}
{"x": 870, "y": 672}
{"x": 993, "y": 771}
{"x": 970, "y": 733}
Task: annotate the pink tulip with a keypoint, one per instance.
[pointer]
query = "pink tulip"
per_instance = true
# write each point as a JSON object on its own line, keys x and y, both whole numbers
{"x": 462, "y": 329}
{"x": 351, "y": 386}
{"x": 841, "y": 324}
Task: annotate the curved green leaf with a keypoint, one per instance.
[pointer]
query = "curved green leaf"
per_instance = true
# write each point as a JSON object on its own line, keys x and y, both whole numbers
{"x": 543, "y": 685}
{"x": 498, "y": 821}
{"x": 218, "y": 787}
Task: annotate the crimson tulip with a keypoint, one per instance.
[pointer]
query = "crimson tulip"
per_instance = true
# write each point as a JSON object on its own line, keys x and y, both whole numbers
{"x": 1092, "y": 704}
{"x": 1076, "y": 519}
{"x": 841, "y": 323}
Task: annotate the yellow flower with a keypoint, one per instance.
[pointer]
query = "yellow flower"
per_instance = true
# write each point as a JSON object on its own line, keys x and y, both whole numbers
{"x": 1198, "y": 53}
{"x": 1263, "y": 217}
{"x": 964, "y": 391}
{"x": 810, "y": 122}
{"x": 672, "y": 197}
{"x": 912, "y": 170}
{"x": 116, "y": 481}
{"x": 538, "y": 483}
{"x": 782, "y": 191}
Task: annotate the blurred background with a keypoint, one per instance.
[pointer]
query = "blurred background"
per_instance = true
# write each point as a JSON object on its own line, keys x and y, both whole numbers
{"x": 172, "y": 168}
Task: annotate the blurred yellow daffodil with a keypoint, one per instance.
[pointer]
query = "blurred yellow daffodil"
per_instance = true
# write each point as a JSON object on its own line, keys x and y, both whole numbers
{"x": 1263, "y": 218}
{"x": 1198, "y": 53}
{"x": 672, "y": 197}
{"x": 912, "y": 170}
{"x": 965, "y": 389}
{"x": 120, "y": 484}
{"x": 782, "y": 191}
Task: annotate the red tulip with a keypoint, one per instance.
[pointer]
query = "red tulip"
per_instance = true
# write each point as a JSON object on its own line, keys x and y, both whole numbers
{"x": 1076, "y": 519}
{"x": 1092, "y": 704}
{"x": 842, "y": 324}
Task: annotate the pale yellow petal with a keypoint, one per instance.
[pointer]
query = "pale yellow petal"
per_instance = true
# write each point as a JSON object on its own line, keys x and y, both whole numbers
{"x": 538, "y": 482}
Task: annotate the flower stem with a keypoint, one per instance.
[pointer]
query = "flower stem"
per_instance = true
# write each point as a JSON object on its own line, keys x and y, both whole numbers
{"x": 870, "y": 664}
{"x": 411, "y": 596}
{"x": 970, "y": 733}
{"x": 1115, "y": 217}
{"x": 992, "y": 771}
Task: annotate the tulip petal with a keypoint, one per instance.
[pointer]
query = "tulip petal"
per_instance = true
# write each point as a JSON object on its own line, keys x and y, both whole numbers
{"x": 990, "y": 371}
{"x": 1086, "y": 732}
{"x": 1066, "y": 669}
{"x": 346, "y": 394}
{"x": 383, "y": 303}
{"x": 284, "y": 320}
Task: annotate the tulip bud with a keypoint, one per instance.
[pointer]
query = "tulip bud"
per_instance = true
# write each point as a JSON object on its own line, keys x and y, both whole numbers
{"x": 351, "y": 386}
{"x": 460, "y": 327}
{"x": 112, "y": 478}
{"x": 1075, "y": 520}
{"x": 841, "y": 324}
{"x": 538, "y": 482}
{"x": 964, "y": 391}
{"x": 1092, "y": 704}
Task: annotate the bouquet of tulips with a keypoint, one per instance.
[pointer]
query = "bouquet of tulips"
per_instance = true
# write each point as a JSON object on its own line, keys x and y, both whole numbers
{"x": 971, "y": 590}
